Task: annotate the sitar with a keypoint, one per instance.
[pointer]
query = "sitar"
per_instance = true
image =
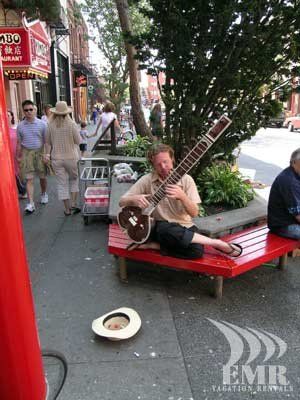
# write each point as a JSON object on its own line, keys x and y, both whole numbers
{"x": 137, "y": 222}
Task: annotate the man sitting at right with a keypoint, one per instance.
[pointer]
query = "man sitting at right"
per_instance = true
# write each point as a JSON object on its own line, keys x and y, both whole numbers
{"x": 284, "y": 200}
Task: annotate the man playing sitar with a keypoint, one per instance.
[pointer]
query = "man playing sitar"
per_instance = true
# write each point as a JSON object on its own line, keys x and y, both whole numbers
{"x": 173, "y": 232}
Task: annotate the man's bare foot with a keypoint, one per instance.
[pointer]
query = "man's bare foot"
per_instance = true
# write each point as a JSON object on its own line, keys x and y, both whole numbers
{"x": 231, "y": 249}
{"x": 147, "y": 245}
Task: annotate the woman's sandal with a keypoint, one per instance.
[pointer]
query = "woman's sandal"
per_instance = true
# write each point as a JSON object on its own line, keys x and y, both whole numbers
{"x": 67, "y": 214}
{"x": 235, "y": 247}
{"x": 75, "y": 210}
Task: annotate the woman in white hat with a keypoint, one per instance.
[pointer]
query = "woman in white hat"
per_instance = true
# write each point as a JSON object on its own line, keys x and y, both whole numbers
{"x": 62, "y": 145}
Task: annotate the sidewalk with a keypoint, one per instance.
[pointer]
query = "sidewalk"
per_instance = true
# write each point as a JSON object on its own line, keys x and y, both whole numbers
{"x": 179, "y": 353}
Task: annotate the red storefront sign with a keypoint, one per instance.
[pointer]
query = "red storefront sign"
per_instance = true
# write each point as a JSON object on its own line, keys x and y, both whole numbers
{"x": 40, "y": 48}
{"x": 25, "y": 48}
{"x": 15, "y": 47}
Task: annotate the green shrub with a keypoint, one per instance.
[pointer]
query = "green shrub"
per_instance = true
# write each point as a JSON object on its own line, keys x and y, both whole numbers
{"x": 219, "y": 186}
{"x": 145, "y": 167}
{"x": 201, "y": 211}
{"x": 137, "y": 147}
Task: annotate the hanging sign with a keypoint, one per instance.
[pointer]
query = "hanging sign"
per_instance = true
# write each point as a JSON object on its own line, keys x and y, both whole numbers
{"x": 25, "y": 47}
{"x": 80, "y": 79}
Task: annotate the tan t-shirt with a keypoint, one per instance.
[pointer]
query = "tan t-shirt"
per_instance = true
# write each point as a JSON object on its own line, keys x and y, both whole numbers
{"x": 168, "y": 209}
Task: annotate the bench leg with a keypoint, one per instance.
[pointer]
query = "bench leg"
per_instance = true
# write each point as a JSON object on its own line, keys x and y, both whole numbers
{"x": 218, "y": 287}
{"x": 123, "y": 269}
{"x": 282, "y": 261}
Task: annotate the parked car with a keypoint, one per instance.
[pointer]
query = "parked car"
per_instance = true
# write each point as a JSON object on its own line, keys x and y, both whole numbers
{"x": 276, "y": 122}
{"x": 292, "y": 123}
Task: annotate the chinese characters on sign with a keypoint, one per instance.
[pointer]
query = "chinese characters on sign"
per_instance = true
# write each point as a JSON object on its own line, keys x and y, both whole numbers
{"x": 25, "y": 47}
{"x": 14, "y": 44}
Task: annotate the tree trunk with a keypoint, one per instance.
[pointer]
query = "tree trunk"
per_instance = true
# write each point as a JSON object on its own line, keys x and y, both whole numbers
{"x": 134, "y": 89}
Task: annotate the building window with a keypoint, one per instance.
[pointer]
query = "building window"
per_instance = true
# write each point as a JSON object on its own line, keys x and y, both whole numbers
{"x": 62, "y": 70}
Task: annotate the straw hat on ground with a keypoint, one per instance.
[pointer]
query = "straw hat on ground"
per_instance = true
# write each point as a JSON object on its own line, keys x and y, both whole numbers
{"x": 61, "y": 108}
{"x": 119, "y": 324}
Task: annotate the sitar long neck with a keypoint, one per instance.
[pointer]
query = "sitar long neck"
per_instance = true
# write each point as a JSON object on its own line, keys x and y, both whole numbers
{"x": 191, "y": 159}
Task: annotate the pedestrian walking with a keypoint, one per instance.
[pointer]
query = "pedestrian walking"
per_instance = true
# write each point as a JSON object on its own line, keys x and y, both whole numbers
{"x": 106, "y": 117}
{"x": 156, "y": 122}
{"x": 94, "y": 115}
{"x": 47, "y": 113}
{"x": 30, "y": 148}
{"x": 62, "y": 148}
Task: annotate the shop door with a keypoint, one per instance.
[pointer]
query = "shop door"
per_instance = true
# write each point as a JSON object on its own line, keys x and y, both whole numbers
{"x": 38, "y": 102}
{"x": 17, "y": 102}
{"x": 38, "y": 97}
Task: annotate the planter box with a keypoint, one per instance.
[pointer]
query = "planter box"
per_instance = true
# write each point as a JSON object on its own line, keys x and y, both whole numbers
{"x": 233, "y": 221}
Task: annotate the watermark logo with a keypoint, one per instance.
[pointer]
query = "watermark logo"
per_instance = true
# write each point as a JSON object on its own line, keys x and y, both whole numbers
{"x": 247, "y": 345}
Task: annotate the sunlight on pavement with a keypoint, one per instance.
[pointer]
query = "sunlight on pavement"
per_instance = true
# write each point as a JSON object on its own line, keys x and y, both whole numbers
{"x": 273, "y": 146}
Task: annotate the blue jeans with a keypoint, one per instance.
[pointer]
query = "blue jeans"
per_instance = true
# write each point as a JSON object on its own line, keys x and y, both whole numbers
{"x": 290, "y": 231}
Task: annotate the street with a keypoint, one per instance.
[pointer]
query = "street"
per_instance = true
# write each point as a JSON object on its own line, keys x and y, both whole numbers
{"x": 184, "y": 345}
{"x": 269, "y": 152}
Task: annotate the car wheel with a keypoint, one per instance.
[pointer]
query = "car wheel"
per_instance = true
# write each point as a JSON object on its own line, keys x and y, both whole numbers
{"x": 290, "y": 128}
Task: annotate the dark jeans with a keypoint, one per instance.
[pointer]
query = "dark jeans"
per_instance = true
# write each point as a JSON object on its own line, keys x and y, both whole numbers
{"x": 290, "y": 231}
{"x": 175, "y": 240}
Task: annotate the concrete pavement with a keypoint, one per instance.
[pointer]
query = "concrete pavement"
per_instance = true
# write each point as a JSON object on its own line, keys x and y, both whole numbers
{"x": 183, "y": 346}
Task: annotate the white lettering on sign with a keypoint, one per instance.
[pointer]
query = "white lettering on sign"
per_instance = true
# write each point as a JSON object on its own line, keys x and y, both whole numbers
{"x": 11, "y": 58}
{"x": 10, "y": 38}
{"x": 41, "y": 50}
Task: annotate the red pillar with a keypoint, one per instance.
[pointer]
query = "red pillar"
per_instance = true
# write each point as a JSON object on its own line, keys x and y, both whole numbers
{"x": 21, "y": 370}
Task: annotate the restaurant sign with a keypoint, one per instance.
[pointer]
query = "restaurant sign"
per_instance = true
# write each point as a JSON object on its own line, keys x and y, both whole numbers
{"x": 25, "y": 47}
{"x": 15, "y": 47}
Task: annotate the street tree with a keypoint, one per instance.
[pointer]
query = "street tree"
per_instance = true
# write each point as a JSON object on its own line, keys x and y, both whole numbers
{"x": 103, "y": 17}
{"x": 46, "y": 10}
{"x": 221, "y": 56}
{"x": 134, "y": 88}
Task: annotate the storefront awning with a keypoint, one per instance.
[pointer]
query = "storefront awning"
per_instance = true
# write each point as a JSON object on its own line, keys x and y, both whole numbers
{"x": 25, "y": 49}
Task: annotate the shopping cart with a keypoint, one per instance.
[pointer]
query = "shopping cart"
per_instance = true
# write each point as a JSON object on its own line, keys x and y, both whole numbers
{"x": 94, "y": 185}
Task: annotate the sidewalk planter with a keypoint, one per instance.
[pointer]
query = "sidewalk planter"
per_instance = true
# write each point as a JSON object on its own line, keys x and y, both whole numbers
{"x": 228, "y": 222}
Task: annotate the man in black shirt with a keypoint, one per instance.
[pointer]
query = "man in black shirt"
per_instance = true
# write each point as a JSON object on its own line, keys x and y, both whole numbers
{"x": 284, "y": 200}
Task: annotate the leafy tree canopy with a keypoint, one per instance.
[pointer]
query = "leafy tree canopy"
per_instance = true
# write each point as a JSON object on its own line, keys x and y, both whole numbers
{"x": 47, "y": 10}
{"x": 104, "y": 19}
{"x": 219, "y": 56}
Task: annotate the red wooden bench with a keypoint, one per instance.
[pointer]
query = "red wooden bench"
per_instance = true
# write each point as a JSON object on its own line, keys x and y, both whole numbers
{"x": 259, "y": 246}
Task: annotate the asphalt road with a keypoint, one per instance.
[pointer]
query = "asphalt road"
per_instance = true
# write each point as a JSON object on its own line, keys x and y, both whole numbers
{"x": 268, "y": 152}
